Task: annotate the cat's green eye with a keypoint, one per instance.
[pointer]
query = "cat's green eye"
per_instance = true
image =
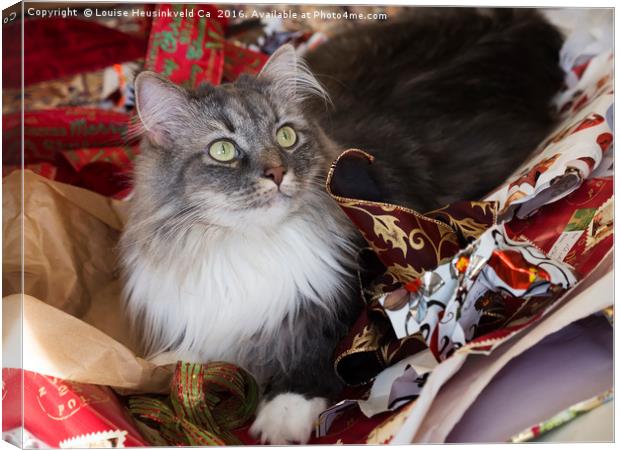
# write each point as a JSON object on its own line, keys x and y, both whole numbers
{"x": 223, "y": 151}
{"x": 286, "y": 137}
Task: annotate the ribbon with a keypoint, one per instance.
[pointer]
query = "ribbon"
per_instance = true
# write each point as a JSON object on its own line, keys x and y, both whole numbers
{"x": 206, "y": 402}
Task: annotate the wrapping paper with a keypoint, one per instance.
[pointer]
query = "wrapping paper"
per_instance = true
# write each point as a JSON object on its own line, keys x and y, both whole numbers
{"x": 120, "y": 156}
{"x": 185, "y": 50}
{"x": 72, "y": 90}
{"x": 48, "y": 131}
{"x": 548, "y": 225}
{"x": 192, "y": 52}
{"x": 410, "y": 244}
{"x": 437, "y": 410}
{"x": 71, "y": 283}
{"x": 597, "y": 425}
{"x": 55, "y": 47}
{"x": 390, "y": 390}
{"x": 553, "y": 223}
{"x": 563, "y": 417}
{"x": 494, "y": 278}
{"x": 85, "y": 354}
{"x": 572, "y": 152}
{"x": 65, "y": 414}
{"x": 239, "y": 60}
{"x": 526, "y": 391}
{"x": 86, "y": 147}
{"x": 45, "y": 169}
{"x": 577, "y": 229}
{"x": 106, "y": 88}
{"x": 22, "y": 438}
{"x": 407, "y": 243}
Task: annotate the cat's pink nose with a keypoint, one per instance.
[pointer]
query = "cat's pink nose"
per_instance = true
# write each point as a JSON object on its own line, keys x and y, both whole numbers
{"x": 275, "y": 173}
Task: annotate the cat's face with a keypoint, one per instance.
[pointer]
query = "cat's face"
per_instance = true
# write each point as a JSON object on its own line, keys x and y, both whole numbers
{"x": 242, "y": 152}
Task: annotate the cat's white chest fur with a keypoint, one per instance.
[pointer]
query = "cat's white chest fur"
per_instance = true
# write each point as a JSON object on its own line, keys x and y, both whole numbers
{"x": 219, "y": 289}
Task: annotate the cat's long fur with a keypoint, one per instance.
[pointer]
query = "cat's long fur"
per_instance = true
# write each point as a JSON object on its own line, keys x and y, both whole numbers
{"x": 450, "y": 101}
{"x": 222, "y": 264}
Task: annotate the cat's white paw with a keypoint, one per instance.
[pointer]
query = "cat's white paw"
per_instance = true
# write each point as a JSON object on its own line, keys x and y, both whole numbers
{"x": 287, "y": 419}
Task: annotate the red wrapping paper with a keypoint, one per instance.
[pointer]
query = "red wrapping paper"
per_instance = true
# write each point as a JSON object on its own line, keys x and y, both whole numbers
{"x": 60, "y": 412}
{"x": 562, "y": 229}
{"x": 49, "y": 131}
{"x": 57, "y": 47}
{"x": 188, "y": 51}
{"x": 86, "y": 147}
{"x": 238, "y": 60}
{"x": 120, "y": 156}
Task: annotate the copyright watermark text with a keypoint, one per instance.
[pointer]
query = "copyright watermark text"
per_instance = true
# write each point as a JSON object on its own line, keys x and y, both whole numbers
{"x": 55, "y": 12}
{"x": 228, "y": 13}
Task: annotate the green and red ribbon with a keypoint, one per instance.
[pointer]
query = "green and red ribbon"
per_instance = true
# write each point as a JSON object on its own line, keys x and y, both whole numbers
{"x": 206, "y": 402}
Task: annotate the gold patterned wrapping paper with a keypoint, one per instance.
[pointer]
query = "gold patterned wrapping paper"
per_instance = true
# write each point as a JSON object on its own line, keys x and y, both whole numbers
{"x": 407, "y": 243}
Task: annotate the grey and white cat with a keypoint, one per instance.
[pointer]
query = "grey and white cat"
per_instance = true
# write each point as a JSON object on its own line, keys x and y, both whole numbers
{"x": 234, "y": 251}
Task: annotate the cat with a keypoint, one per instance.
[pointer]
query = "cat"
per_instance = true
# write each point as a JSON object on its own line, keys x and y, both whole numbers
{"x": 234, "y": 251}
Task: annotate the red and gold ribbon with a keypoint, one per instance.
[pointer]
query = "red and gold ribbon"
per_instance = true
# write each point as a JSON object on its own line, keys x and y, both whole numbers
{"x": 206, "y": 402}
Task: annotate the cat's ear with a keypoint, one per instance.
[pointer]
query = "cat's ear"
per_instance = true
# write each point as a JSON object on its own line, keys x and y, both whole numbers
{"x": 290, "y": 76}
{"x": 161, "y": 105}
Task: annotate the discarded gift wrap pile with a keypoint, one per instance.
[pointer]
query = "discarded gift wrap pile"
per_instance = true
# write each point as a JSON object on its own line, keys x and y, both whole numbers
{"x": 463, "y": 279}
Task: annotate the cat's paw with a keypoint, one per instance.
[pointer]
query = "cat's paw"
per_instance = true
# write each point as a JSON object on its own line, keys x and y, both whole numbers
{"x": 287, "y": 419}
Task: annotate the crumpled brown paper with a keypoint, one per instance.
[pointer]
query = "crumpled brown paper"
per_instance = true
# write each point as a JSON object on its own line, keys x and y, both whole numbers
{"x": 73, "y": 325}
